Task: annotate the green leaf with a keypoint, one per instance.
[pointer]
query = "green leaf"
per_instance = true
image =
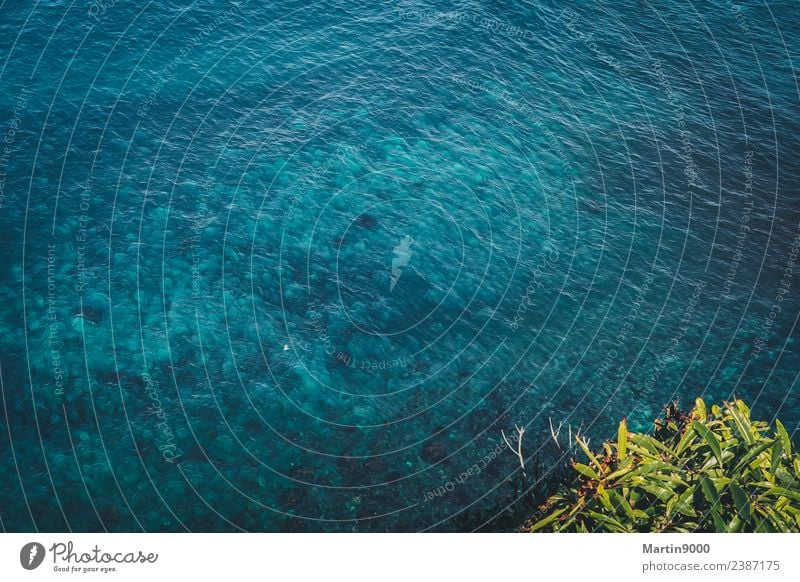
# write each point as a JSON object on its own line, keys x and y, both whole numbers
{"x": 764, "y": 526}
{"x": 742, "y": 407}
{"x": 609, "y": 522}
{"x": 741, "y": 502}
{"x": 648, "y": 467}
{"x": 736, "y": 525}
{"x": 791, "y": 509}
{"x": 719, "y": 523}
{"x": 742, "y": 423}
{"x": 710, "y": 438}
{"x": 781, "y": 523}
{"x": 686, "y": 438}
{"x": 621, "y": 504}
{"x": 720, "y": 482}
{"x": 605, "y": 499}
{"x": 650, "y": 443}
{"x": 711, "y": 495}
{"x": 672, "y": 479}
{"x": 784, "y": 436}
{"x": 547, "y": 520}
{"x": 684, "y": 504}
{"x": 709, "y": 491}
{"x": 622, "y": 440}
{"x": 586, "y": 471}
{"x": 681, "y": 504}
{"x": 624, "y": 467}
{"x": 587, "y": 452}
{"x": 646, "y": 453}
{"x": 781, "y": 492}
{"x": 752, "y": 454}
{"x": 663, "y": 493}
{"x": 784, "y": 477}
{"x": 700, "y": 409}
{"x": 777, "y": 453}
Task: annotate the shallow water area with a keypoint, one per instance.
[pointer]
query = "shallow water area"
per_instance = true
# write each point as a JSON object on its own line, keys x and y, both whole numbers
{"x": 294, "y": 267}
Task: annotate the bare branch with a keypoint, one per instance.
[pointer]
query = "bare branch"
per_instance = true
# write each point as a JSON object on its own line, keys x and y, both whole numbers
{"x": 518, "y": 450}
{"x": 556, "y": 432}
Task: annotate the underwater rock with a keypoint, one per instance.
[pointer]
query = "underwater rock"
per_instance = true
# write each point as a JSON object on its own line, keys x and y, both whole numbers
{"x": 375, "y": 464}
{"x": 392, "y": 476}
{"x": 293, "y": 526}
{"x": 291, "y": 498}
{"x": 95, "y": 307}
{"x": 366, "y": 221}
{"x": 433, "y": 452}
{"x": 348, "y": 468}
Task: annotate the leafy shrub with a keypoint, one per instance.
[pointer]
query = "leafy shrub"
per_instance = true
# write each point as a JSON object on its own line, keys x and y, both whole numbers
{"x": 698, "y": 472}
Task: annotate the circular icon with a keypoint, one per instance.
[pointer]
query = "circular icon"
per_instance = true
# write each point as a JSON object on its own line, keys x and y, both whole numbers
{"x": 31, "y": 555}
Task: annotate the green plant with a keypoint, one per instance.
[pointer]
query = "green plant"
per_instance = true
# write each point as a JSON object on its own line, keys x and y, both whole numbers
{"x": 704, "y": 470}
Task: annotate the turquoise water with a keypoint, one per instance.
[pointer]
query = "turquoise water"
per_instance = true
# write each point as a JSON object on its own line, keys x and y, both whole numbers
{"x": 293, "y": 267}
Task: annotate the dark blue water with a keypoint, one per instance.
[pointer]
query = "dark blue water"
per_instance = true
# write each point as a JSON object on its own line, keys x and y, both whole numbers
{"x": 294, "y": 266}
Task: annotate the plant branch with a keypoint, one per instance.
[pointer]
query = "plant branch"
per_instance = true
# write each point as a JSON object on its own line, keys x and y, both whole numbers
{"x": 518, "y": 450}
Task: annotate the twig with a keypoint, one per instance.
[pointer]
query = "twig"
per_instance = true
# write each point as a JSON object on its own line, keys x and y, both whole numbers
{"x": 518, "y": 451}
{"x": 556, "y": 432}
{"x": 578, "y": 435}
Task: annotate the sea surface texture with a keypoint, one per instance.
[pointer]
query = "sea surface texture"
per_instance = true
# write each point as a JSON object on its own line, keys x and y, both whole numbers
{"x": 297, "y": 266}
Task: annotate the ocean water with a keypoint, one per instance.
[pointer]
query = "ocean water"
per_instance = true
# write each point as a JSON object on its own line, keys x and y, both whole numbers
{"x": 295, "y": 266}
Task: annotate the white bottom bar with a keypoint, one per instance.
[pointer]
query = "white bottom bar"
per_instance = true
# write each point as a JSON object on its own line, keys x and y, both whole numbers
{"x": 388, "y": 557}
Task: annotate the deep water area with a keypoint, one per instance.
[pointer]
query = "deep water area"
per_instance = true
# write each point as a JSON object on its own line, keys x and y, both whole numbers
{"x": 294, "y": 266}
